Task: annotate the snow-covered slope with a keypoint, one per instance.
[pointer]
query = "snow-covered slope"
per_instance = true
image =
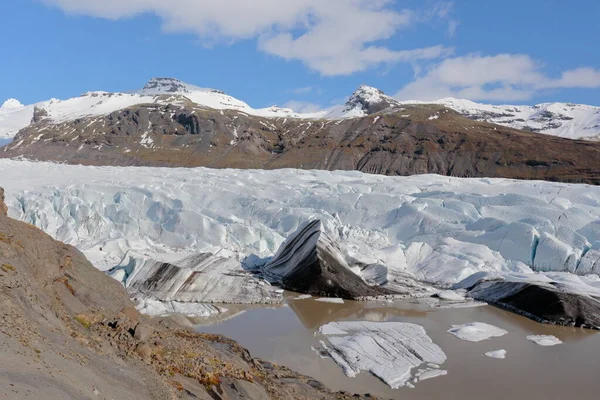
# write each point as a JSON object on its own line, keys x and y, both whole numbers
{"x": 572, "y": 121}
{"x": 440, "y": 229}
{"x": 15, "y": 116}
{"x": 364, "y": 101}
{"x": 567, "y": 120}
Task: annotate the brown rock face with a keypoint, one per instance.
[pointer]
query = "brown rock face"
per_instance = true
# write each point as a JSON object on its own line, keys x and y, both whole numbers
{"x": 3, "y": 207}
{"x": 414, "y": 139}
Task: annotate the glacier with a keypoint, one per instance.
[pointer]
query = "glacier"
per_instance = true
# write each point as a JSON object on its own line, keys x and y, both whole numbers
{"x": 438, "y": 229}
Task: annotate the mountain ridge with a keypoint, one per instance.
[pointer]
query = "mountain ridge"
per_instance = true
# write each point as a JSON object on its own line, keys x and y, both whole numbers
{"x": 412, "y": 139}
{"x": 569, "y": 120}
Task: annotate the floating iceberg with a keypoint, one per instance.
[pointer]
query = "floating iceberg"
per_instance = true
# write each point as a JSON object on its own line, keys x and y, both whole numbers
{"x": 389, "y": 350}
{"x": 501, "y": 354}
{"x": 544, "y": 340}
{"x": 476, "y": 331}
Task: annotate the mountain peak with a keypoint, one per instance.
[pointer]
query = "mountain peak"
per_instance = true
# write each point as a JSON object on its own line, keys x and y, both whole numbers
{"x": 11, "y": 104}
{"x": 166, "y": 85}
{"x": 369, "y": 100}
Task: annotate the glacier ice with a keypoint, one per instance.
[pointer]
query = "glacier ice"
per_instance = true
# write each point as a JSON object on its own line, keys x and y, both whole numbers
{"x": 437, "y": 229}
{"x": 389, "y": 350}
{"x": 545, "y": 340}
{"x": 197, "y": 278}
{"x": 476, "y": 331}
{"x": 501, "y": 354}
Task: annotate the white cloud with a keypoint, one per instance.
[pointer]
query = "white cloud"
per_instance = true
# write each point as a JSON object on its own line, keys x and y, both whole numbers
{"x": 303, "y": 90}
{"x": 441, "y": 11}
{"x": 303, "y": 106}
{"x": 333, "y": 37}
{"x": 503, "y": 77}
{"x": 586, "y": 78}
{"x": 452, "y": 27}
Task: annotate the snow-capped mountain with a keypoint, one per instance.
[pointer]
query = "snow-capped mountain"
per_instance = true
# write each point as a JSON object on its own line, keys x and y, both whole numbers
{"x": 14, "y": 116}
{"x": 367, "y": 100}
{"x": 572, "y": 121}
{"x": 567, "y": 120}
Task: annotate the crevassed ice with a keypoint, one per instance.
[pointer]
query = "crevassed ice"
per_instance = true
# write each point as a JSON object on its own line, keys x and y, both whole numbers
{"x": 392, "y": 351}
{"x": 440, "y": 229}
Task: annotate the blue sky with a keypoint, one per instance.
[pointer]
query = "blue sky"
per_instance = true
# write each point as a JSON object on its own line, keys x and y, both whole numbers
{"x": 305, "y": 53}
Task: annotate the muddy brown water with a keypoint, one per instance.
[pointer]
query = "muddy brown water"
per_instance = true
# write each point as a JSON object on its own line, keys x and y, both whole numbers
{"x": 285, "y": 336}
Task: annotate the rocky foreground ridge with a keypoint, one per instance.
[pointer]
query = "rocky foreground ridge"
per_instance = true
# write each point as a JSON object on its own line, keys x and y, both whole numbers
{"x": 376, "y": 134}
{"x": 71, "y": 331}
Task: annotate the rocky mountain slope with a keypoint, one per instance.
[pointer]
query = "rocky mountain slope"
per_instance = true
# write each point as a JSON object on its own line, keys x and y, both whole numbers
{"x": 573, "y": 121}
{"x": 170, "y": 123}
{"x": 71, "y": 332}
{"x": 413, "y": 139}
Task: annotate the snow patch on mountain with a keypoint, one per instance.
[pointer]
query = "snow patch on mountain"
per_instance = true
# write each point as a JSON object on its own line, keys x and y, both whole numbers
{"x": 13, "y": 118}
{"x": 567, "y": 120}
{"x": 11, "y": 104}
{"x": 364, "y": 101}
{"x": 572, "y": 121}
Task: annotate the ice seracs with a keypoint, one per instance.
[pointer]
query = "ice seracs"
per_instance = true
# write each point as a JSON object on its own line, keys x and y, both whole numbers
{"x": 392, "y": 351}
{"x": 441, "y": 230}
{"x": 197, "y": 278}
{"x": 311, "y": 262}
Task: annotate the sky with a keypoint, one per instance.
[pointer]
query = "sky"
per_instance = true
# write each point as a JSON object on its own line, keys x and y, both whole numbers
{"x": 307, "y": 54}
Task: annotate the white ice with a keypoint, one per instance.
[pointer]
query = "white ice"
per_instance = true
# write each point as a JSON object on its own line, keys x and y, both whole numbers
{"x": 501, "y": 354}
{"x": 450, "y": 295}
{"x": 303, "y": 297}
{"x": 434, "y": 373}
{"x": 476, "y": 331}
{"x": 439, "y": 229}
{"x": 330, "y": 300}
{"x": 389, "y": 350}
{"x": 545, "y": 340}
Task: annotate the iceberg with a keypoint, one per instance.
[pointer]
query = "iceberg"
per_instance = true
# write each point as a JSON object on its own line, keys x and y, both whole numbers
{"x": 545, "y": 340}
{"x": 500, "y": 354}
{"x": 476, "y": 331}
{"x": 389, "y": 350}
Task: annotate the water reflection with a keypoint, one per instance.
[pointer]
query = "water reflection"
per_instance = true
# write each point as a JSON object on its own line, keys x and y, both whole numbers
{"x": 314, "y": 314}
{"x": 285, "y": 335}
